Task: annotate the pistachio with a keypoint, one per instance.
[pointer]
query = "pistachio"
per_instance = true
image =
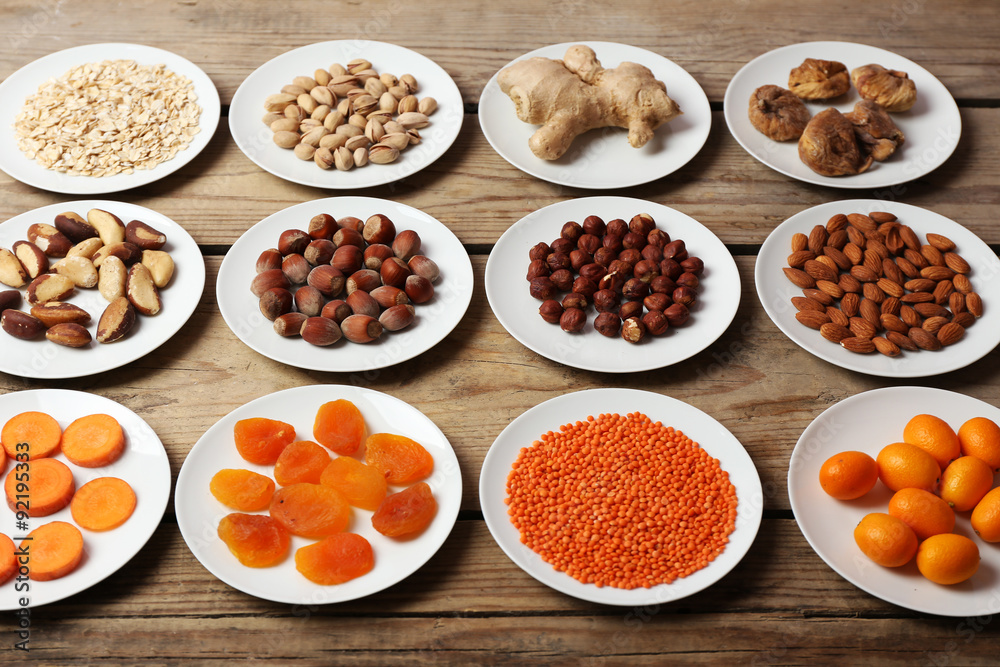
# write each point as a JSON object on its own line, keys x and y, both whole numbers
{"x": 375, "y": 87}
{"x": 365, "y": 104}
{"x": 313, "y": 136}
{"x": 278, "y": 102}
{"x": 361, "y": 156}
{"x": 357, "y": 65}
{"x": 320, "y": 113}
{"x": 427, "y": 106}
{"x": 292, "y": 89}
{"x": 344, "y": 107}
{"x": 409, "y": 82}
{"x": 408, "y": 104}
{"x": 354, "y": 143}
{"x": 358, "y": 121}
{"x": 388, "y": 79}
{"x": 336, "y": 69}
{"x": 323, "y": 158}
{"x": 333, "y": 120}
{"x": 304, "y": 82}
{"x": 413, "y": 120}
{"x": 286, "y": 139}
{"x": 332, "y": 141}
{"x": 343, "y": 159}
{"x": 398, "y": 140}
{"x": 374, "y": 130}
{"x": 382, "y": 154}
{"x": 322, "y": 95}
{"x": 386, "y": 102}
{"x": 284, "y": 125}
{"x": 322, "y": 77}
{"x": 307, "y": 103}
{"x": 339, "y": 85}
{"x": 304, "y": 151}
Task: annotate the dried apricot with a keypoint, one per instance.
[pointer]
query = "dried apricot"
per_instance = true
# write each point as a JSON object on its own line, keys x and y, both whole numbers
{"x": 339, "y": 427}
{"x": 362, "y": 485}
{"x": 256, "y": 540}
{"x": 310, "y": 510}
{"x": 335, "y": 559}
{"x": 405, "y": 513}
{"x": 301, "y": 461}
{"x": 260, "y": 440}
{"x": 400, "y": 459}
{"x": 242, "y": 490}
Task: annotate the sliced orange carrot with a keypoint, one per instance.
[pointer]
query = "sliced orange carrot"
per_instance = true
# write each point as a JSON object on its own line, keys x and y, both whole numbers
{"x": 103, "y": 503}
{"x": 339, "y": 427}
{"x": 310, "y": 510}
{"x": 55, "y": 550}
{"x": 40, "y": 487}
{"x": 93, "y": 441}
{"x": 361, "y": 484}
{"x": 301, "y": 461}
{"x": 260, "y": 440}
{"x": 243, "y": 490}
{"x": 8, "y": 563}
{"x": 399, "y": 458}
{"x": 335, "y": 559}
{"x": 36, "y": 434}
{"x": 406, "y": 513}
{"x": 255, "y": 539}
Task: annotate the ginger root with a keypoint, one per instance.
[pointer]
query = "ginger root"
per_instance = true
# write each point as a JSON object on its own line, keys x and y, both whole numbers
{"x": 571, "y": 96}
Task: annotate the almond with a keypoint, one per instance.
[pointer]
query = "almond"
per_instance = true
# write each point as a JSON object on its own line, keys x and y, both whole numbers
{"x": 837, "y": 316}
{"x": 974, "y": 304}
{"x": 917, "y": 297}
{"x": 891, "y": 305}
{"x": 58, "y": 312}
{"x": 920, "y": 285}
{"x": 812, "y": 318}
{"x": 49, "y": 287}
{"x": 901, "y": 340}
{"x": 890, "y": 287}
{"x": 142, "y": 291}
{"x": 910, "y": 316}
{"x": 139, "y": 233}
{"x": 923, "y": 339}
{"x": 965, "y": 319}
{"x": 798, "y": 277}
{"x": 74, "y": 227}
{"x": 956, "y": 302}
{"x": 915, "y": 258}
{"x": 873, "y": 262}
{"x": 942, "y": 291}
{"x": 937, "y": 273}
{"x": 838, "y": 239}
{"x": 835, "y": 332}
{"x": 910, "y": 238}
{"x": 34, "y": 261}
{"x": 934, "y": 324}
{"x": 819, "y": 295}
{"x": 109, "y": 227}
{"x": 956, "y": 263}
{"x": 907, "y": 268}
{"x": 69, "y": 334}
{"x": 850, "y": 304}
{"x": 871, "y": 292}
{"x": 857, "y": 237}
{"x": 853, "y": 253}
{"x": 864, "y": 273}
{"x": 932, "y": 255}
{"x": 819, "y": 270}
{"x": 849, "y": 283}
{"x": 830, "y": 288}
{"x": 886, "y": 346}
{"x": 893, "y": 323}
{"x": 817, "y": 239}
{"x": 800, "y": 242}
{"x": 116, "y": 321}
{"x": 862, "y": 328}
{"x": 801, "y": 303}
{"x": 962, "y": 283}
{"x": 871, "y": 312}
{"x": 20, "y": 324}
{"x": 858, "y": 345}
{"x": 882, "y": 216}
{"x": 838, "y": 257}
{"x": 798, "y": 258}
{"x": 939, "y": 242}
{"x": 836, "y": 223}
{"x": 931, "y": 310}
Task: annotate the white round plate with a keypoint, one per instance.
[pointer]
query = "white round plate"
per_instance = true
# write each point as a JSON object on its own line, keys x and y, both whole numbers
{"x": 435, "y": 319}
{"x": 255, "y": 139}
{"x": 932, "y": 127}
{"x": 602, "y": 158}
{"x": 517, "y": 310}
{"x": 18, "y": 86}
{"x": 712, "y": 436}
{"x": 143, "y": 465}
{"x": 868, "y": 422}
{"x": 199, "y": 513}
{"x": 46, "y": 360}
{"x": 775, "y": 292}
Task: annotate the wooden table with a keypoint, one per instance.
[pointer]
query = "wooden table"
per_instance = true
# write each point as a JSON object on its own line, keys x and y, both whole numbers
{"x": 470, "y": 604}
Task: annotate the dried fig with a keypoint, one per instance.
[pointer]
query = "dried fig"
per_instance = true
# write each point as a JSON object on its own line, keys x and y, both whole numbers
{"x": 819, "y": 79}
{"x": 891, "y": 89}
{"x": 777, "y": 113}
{"x": 830, "y": 147}
{"x": 877, "y": 135}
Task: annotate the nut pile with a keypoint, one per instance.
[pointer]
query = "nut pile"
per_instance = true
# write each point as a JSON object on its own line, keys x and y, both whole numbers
{"x": 125, "y": 263}
{"x": 346, "y": 117}
{"x": 379, "y": 273}
{"x": 869, "y": 284}
{"x": 107, "y": 118}
{"x": 639, "y": 280}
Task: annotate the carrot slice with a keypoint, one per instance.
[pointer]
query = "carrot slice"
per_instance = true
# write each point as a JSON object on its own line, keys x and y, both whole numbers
{"x": 40, "y": 487}
{"x": 362, "y": 485}
{"x": 37, "y": 433}
{"x": 8, "y": 563}
{"x": 301, "y": 461}
{"x": 93, "y": 441}
{"x": 55, "y": 550}
{"x": 103, "y": 503}
{"x": 399, "y": 458}
{"x": 339, "y": 427}
{"x": 243, "y": 490}
{"x": 260, "y": 440}
{"x": 255, "y": 539}
{"x": 310, "y": 510}
{"x": 335, "y": 559}
{"x": 406, "y": 513}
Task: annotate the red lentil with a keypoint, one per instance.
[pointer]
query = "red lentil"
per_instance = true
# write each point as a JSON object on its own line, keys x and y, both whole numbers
{"x": 621, "y": 501}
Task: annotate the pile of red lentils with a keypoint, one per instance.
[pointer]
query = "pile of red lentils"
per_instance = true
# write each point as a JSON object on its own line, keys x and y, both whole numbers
{"x": 621, "y": 502}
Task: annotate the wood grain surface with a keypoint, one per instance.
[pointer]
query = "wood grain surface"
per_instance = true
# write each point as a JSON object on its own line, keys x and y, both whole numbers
{"x": 470, "y": 604}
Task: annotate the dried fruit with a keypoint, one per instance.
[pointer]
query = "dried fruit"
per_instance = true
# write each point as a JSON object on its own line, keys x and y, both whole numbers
{"x": 829, "y": 147}
{"x": 818, "y": 79}
{"x": 891, "y": 89}
{"x": 777, "y": 113}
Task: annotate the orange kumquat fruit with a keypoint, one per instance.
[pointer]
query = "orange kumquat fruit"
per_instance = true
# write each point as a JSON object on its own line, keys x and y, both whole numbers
{"x": 904, "y": 466}
{"x": 922, "y": 511}
{"x": 980, "y": 437}
{"x": 935, "y": 436}
{"x": 848, "y": 475}
{"x": 986, "y": 517}
{"x": 886, "y": 540}
{"x": 965, "y": 481}
{"x": 948, "y": 558}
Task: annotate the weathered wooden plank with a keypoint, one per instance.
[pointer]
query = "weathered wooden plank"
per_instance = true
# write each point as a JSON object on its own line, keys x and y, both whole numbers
{"x": 711, "y": 40}
{"x": 478, "y": 195}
